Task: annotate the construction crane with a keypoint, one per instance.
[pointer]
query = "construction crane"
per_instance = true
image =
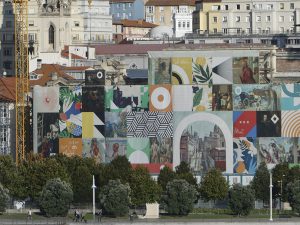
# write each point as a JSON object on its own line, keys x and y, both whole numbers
{"x": 22, "y": 75}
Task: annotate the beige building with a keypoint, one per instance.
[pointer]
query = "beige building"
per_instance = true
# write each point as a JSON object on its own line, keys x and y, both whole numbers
{"x": 162, "y": 12}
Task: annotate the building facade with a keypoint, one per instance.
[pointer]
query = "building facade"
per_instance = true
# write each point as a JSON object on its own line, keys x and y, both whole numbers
{"x": 53, "y": 24}
{"x": 163, "y": 13}
{"x": 127, "y": 9}
{"x": 246, "y": 17}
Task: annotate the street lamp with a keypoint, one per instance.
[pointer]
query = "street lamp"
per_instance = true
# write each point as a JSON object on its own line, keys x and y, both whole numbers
{"x": 270, "y": 167}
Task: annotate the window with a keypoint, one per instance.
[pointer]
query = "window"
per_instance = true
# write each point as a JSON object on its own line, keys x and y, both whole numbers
{"x": 7, "y": 51}
{"x": 124, "y": 15}
{"x": 118, "y": 5}
{"x": 226, "y": 7}
{"x": 8, "y": 11}
{"x": 173, "y": 9}
{"x": 268, "y": 18}
{"x": 259, "y": 30}
{"x": 247, "y": 6}
{"x": 8, "y": 24}
{"x": 161, "y": 9}
{"x": 248, "y": 30}
{"x": 76, "y": 23}
{"x": 224, "y": 19}
{"x": 216, "y": 7}
{"x": 188, "y": 24}
{"x": 215, "y": 30}
{"x": 258, "y": 18}
{"x": 238, "y": 6}
{"x": 31, "y": 37}
{"x": 129, "y": 14}
{"x": 118, "y": 14}
{"x": 247, "y": 18}
{"x": 162, "y": 19}
{"x": 129, "y": 5}
{"x": 51, "y": 34}
{"x": 268, "y": 30}
{"x": 179, "y": 24}
{"x": 7, "y": 65}
{"x": 225, "y": 31}
{"x": 150, "y": 9}
{"x": 238, "y": 19}
{"x": 215, "y": 19}
{"x": 124, "y": 6}
{"x": 292, "y": 6}
{"x": 31, "y": 23}
{"x": 269, "y": 7}
{"x": 291, "y": 18}
{"x": 281, "y": 18}
{"x": 183, "y": 24}
{"x": 281, "y": 6}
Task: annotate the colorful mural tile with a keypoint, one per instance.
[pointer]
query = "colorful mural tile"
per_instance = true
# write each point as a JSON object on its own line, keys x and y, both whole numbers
{"x": 257, "y": 97}
{"x": 94, "y": 148}
{"x": 290, "y": 96}
{"x": 48, "y": 129}
{"x": 191, "y": 98}
{"x": 244, "y": 155}
{"x": 182, "y": 70}
{"x": 93, "y": 125}
{"x": 222, "y": 98}
{"x": 244, "y": 124}
{"x": 268, "y": 123}
{"x": 161, "y": 150}
{"x": 290, "y": 125}
{"x": 46, "y": 99}
{"x": 95, "y": 77}
{"x": 160, "y": 98}
{"x": 127, "y": 98}
{"x": 160, "y": 71}
{"x": 278, "y": 150}
{"x": 70, "y": 146}
{"x": 150, "y": 124}
{"x": 115, "y": 147}
{"x": 70, "y": 118}
{"x": 202, "y": 73}
{"x": 245, "y": 70}
{"x": 115, "y": 124}
{"x": 138, "y": 150}
{"x": 221, "y": 70}
{"x": 93, "y": 99}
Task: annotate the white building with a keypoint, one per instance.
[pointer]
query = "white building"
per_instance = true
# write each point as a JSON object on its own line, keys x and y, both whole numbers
{"x": 53, "y": 24}
{"x": 182, "y": 23}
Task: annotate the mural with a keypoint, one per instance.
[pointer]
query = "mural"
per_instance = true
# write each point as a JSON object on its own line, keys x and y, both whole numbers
{"x": 206, "y": 108}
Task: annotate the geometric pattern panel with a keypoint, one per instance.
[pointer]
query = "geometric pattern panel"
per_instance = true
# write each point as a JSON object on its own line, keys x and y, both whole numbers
{"x": 150, "y": 124}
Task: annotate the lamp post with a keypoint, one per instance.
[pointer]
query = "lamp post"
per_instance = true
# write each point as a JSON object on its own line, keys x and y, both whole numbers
{"x": 270, "y": 167}
{"x": 94, "y": 188}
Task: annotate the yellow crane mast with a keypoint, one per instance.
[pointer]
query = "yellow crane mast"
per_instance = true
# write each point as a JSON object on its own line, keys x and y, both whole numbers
{"x": 22, "y": 75}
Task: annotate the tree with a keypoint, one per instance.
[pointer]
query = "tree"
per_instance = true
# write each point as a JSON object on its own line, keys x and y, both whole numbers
{"x": 115, "y": 198}
{"x": 55, "y": 198}
{"x": 179, "y": 197}
{"x": 293, "y": 195}
{"x": 260, "y": 183}
{"x": 280, "y": 172}
{"x": 241, "y": 199}
{"x": 143, "y": 188}
{"x": 165, "y": 176}
{"x": 4, "y": 197}
{"x": 183, "y": 171}
{"x": 213, "y": 186}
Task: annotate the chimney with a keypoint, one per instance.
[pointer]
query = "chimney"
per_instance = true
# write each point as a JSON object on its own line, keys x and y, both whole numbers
{"x": 54, "y": 76}
{"x": 39, "y": 63}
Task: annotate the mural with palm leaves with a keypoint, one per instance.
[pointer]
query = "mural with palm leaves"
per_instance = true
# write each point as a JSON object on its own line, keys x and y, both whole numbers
{"x": 201, "y": 75}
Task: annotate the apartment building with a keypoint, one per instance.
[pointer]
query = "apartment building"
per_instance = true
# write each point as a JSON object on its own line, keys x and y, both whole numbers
{"x": 53, "y": 24}
{"x": 127, "y": 9}
{"x": 246, "y": 17}
{"x": 176, "y": 14}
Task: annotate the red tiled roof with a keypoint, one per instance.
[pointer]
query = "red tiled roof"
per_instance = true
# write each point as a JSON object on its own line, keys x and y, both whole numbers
{"x": 8, "y": 89}
{"x": 46, "y": 70}
{"x": 169, "y": 2}
{"x": 136, "y": 23}
{"x": 65, "y": 54}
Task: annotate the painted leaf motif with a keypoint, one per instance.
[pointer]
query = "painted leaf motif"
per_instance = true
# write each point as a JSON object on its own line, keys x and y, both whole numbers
{"x": 197, "y": 97}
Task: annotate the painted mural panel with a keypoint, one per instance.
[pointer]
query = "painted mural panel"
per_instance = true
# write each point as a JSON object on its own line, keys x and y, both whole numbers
{"x": 160, "y": 71}
{"x": 244, "y": 155}
{"x": 138, "y": 150}
{"x": 202, "y": 73}
{"x": 256, "y": 97}
{"x": 244, "y": 124}
{"x": 48, "y": 130}
{"x": 278, "y": 150}
{"x": 182, "y": 70}
{"x": 245, "y": 70}
{"x": 290, "y": 96}
{"x": 94, "y": 77}
{"x": 161, "y": 150}
{"x": 70, "y": 146}
{"x": 115, "y": 147}
{"x": 268, "y": 124}
{"x": 160, "y": 98}
{"x": 93, "y": 99}
{"x": 204, "y": 140}
{"x": 149, "y": 124}
{"x": 115, "y": 124}
{"x": 70, "y": 117}
{"x": 46, "y": 99}
{"x": 127, "y": 98}
{"x": 192, "y": 98}
{"x": 221, "y": 70}
{"x": 94, "y": 148}
{"x": 290, "y": 124}
{"x": 222, "y": 98}
{"x": 93, "y": 125}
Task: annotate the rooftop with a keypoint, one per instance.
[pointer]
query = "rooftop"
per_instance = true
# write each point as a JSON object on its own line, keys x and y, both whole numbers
{"x": 7, "y": 89}
{"x": 136, "y": 23}
{"x": 170, "y": 2}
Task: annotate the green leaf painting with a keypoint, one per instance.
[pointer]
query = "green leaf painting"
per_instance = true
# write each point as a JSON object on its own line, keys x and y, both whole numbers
{"x": 197, "y": 97}
{"x": 202, "y": 75}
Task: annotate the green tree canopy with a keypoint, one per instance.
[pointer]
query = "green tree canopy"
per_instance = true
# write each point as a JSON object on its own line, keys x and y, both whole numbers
{"x": 115, "y": 198}
{"x": 4, "y": 197}
{"x": 261, "y": 182}
{"x": 55, "y": 198}
{"x": 165, "y": 176}
{"x": 213, "y": 186}
{"x": 183, "y": 171}
{"x": 241, "y": 199}
{"x": 280, "y": 173}
{"x": 143, "y": 188}
{"x": 293, "y": 195}
{"x": 179, "y": 197}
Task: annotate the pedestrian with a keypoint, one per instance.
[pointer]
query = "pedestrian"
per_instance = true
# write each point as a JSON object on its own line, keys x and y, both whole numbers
{"x": 29, "y": 214}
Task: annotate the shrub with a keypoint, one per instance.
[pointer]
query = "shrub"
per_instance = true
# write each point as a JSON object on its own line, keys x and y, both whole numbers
{"x": 3, "y": 198}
